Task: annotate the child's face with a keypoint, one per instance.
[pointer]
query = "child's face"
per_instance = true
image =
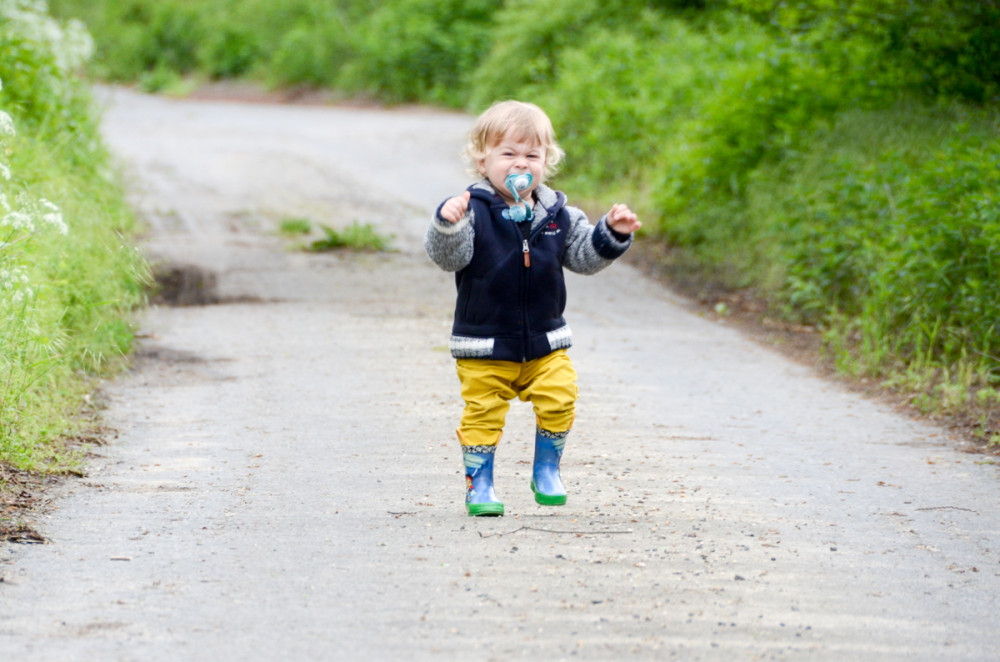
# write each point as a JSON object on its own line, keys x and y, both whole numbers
{"x": 513, "y": 156}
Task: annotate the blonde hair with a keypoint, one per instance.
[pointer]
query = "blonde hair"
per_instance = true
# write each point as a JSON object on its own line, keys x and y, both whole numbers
{"x": 520, "y": 120}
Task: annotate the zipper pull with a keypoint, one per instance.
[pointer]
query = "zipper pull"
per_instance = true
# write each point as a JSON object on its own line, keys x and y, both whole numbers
{"x": 527, "y": 254}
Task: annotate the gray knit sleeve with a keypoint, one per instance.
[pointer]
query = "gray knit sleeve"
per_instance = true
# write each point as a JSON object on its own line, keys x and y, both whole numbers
{"x": 450, "y": 245}
{"x": 590, "y": 248}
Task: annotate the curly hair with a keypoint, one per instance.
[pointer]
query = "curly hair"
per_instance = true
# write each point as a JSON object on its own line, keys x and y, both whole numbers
{"x": 522, "y": 121}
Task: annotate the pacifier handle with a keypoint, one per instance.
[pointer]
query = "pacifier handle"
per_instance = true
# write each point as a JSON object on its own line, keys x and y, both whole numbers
{"x": 516, "y": 183}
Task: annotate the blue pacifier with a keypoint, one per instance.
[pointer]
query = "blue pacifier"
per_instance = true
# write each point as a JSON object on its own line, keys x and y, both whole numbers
{"x": 520, "y": 211}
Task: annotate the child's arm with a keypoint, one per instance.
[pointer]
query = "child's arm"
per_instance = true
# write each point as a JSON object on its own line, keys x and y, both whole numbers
{"x": 449, "y": 239}
{"x": 590, "y": 248}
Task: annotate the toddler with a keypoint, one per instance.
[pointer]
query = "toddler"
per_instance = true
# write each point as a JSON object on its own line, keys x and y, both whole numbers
{"x": 507, "y": 238}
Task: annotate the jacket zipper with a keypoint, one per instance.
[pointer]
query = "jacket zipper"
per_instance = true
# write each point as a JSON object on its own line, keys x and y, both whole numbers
{"x": 526, "y": 252}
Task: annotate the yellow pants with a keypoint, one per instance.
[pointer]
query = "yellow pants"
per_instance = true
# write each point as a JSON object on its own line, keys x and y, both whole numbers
{"x": 488, "y": 386}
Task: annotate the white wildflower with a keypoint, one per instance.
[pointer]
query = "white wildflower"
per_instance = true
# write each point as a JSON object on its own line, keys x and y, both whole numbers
{"x": 6, "y": 124}
{"x": 21, "y": 294}
{"x": 52, "y": 215}
{"x": 18, "y": 221}
{"x": 70, "y": 46}
{"x": 13, "y": 278}
{"x": 4, "y": 172}
{"x": 78, "y": 44}
{"x": 4, "y": 201}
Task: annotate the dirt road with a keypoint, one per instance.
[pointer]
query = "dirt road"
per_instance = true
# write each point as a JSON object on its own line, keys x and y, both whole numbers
{"x": 285, "y": 483}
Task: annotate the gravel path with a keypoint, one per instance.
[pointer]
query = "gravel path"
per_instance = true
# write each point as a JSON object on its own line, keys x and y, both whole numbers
{"x": 284, "y": 481}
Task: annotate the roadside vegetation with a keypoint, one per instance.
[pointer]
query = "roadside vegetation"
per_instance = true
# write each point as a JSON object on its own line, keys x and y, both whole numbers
{"x": 835, "y": 161}
{"x": 68, "y": 273}
{"x": 355, "y": 237}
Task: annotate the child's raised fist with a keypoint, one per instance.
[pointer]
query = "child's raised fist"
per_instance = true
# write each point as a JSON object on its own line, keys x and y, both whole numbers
{"x": 623, "y": 220}
{"x": 454, "y": 208}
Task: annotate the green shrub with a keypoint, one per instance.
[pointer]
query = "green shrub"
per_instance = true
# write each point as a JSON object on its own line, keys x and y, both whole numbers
{"x": 295, "y": 42}
{"x": 522, "y": 58}
{"x": 935, "y": 47}
{"x": 766, "y": 97}
{"x": 139, "y": 36}
{"x": 528, "y": 40}
{"x": 618, "y": 95}
{"x": 413, "y": 50}
{"x": 309, "y": 54}
{"x": 888, "y": 229}
{"x": 229, "y": 51}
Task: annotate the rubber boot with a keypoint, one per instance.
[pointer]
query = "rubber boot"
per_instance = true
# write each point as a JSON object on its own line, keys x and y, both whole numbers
{"x": 546, "y": 482}
{"x": 480, "y": 499}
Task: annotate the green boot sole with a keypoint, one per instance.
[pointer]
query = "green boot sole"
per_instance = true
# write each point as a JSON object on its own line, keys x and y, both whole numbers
{"x": 489, "y": 509}
{"x": 548, "y": 499}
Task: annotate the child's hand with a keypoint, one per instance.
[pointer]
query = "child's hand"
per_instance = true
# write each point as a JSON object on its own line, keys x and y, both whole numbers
{"x": 454, "y": 209}
{"x": 623, "y": 220}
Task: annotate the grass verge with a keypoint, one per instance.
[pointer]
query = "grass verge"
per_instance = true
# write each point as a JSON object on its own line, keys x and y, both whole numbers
{"x": 69, "y": 275}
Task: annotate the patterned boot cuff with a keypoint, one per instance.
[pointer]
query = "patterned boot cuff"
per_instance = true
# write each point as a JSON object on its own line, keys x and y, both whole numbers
{"x": 479, "y": 449}
{"x": 551, "y": 435}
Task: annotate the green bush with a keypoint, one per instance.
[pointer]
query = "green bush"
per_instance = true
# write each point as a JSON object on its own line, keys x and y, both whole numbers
{"x": 617, "y": 94}
{"x": 935, "y": 47}
{"x": 523, "y": 54}
{"x": 887, "y": 227}
{"x": 412, "y": 50}
{"x": 295, "y": 42}
{"x": 140, "y": 36}
{"x": 305, "y": 55}
{"x": 229, "y": 51}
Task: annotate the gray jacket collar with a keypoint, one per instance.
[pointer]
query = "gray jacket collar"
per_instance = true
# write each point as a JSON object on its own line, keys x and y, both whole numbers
{"x": 548, "y": 199}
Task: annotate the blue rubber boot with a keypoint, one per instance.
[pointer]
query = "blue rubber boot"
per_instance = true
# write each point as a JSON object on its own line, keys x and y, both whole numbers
{"x": 546, "y": 482}
{"x": 480, "y": 499}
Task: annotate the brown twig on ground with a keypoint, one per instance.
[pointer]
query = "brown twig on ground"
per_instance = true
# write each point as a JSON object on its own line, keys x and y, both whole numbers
{"x": 968, "y": 510}
{"x": 533, "y": 528}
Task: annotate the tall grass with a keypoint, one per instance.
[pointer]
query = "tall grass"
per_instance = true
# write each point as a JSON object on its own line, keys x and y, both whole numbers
{"x": 68, "y": 276}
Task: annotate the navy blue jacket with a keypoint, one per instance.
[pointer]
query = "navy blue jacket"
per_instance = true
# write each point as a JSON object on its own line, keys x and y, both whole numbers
{"x": 511, "y": 290}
